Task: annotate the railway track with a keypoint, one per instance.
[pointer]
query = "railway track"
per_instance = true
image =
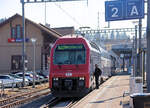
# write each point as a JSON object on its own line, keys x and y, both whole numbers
{"x": 72, "y": 103}
{"x": 53, "y": 101}
{"x": 22, "y": 98}
{"x": 65, "y": 103}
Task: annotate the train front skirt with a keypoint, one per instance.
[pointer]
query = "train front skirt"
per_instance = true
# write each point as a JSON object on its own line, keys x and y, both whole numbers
{"x": 70, "y": 87}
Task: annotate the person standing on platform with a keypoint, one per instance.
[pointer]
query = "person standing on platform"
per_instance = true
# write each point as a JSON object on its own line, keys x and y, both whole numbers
{"x": 97, "y": 73}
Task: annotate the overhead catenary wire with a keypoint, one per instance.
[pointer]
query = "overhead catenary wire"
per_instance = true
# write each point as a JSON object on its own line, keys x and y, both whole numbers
{"x": 63, "y": 10}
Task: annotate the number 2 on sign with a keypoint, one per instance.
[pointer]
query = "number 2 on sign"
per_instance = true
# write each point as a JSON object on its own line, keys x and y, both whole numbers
{"x": 115, "y": 12}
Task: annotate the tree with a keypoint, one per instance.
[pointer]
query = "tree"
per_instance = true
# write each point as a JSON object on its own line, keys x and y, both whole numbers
{"x": 2, "y": 20}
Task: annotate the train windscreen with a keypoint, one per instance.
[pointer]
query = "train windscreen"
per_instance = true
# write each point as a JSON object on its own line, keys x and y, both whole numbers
{"x": 69, "y": 54}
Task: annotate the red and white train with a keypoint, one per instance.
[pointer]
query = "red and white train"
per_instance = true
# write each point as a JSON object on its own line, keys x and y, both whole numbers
{"x": 72, "y": 65}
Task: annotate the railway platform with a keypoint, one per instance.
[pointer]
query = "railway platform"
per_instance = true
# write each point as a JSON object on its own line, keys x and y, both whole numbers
{"x": 109, "y": 95}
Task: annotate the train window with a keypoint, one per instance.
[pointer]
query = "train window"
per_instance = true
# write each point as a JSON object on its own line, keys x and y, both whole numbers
{"x": 93, "y": 45}
{"x": 69, "y": 54}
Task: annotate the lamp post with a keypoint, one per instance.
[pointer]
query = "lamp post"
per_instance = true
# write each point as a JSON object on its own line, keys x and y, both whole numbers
{"x": 135, "y": 48}
{"x": 135, "y": 73}
{"x": 23, "y": 43}
{"x": 148, "y": 47}
{"x": 33, "y": 40}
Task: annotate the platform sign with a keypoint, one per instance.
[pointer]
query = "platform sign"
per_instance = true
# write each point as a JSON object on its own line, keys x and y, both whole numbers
{"x": 124, "y": 10}
{"x": 134, "y": 9}
{"x": 113, "y": 10}
{"x": 14, "y": 40}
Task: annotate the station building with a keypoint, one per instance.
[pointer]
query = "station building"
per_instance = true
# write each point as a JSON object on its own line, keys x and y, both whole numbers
{"x": 11, "y": 44}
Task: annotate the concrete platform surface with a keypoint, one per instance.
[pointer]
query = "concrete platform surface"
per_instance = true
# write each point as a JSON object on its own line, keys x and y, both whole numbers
{"x": 109, "y": 94}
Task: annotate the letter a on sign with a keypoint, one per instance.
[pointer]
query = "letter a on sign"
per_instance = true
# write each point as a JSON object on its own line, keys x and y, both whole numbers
{"x": 134, "y": 11}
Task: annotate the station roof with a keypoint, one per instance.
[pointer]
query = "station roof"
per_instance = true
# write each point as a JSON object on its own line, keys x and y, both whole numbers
{"x": 65, "y": 30}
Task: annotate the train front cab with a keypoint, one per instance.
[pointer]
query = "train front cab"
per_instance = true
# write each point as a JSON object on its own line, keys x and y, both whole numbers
{"x": 74, "y": 83}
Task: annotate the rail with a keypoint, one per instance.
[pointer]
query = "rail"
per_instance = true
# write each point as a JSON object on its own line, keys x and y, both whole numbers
{"x": 72, "y": 103}
{"x": 23, "y": 98}
{"x": 53, "y": 101}
{"x": 12, "y": 85}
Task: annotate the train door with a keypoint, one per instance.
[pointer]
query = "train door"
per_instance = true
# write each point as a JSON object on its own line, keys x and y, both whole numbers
{"x": 92, "y": 80}
{"x": 91, "y": 65}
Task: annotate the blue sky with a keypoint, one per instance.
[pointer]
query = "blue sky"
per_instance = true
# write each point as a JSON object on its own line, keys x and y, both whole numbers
{"x": 64, "y": 14}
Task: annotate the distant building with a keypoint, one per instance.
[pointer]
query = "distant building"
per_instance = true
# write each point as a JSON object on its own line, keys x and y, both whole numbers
{"x": 144, "y": 35}
{"x": 98, "y": 38}
{"x": 112, "y": 35}
{"x": 11, "y": 44}
{"x": 124, "y": 36}
{"x": 118, "y": 36}
{"x": 88, "y": 36}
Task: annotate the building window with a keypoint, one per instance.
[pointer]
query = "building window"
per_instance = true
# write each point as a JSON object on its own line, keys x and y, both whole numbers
{"x": 13, "y": 32}
{"x": 16, "y": 62}
{"x": 16, "y": 32}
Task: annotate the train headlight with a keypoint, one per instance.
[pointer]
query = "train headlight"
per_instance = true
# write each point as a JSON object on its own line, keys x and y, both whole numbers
{"x": 55, "y": 82}
{"x": 81, "y": 78}
{"x": 55, "y": 79}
